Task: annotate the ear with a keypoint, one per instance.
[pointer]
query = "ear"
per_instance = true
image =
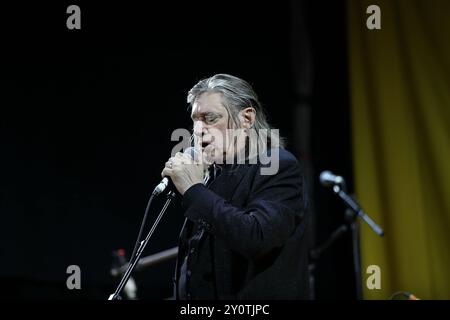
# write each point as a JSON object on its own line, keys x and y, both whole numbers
{"x": 247, "y": 117}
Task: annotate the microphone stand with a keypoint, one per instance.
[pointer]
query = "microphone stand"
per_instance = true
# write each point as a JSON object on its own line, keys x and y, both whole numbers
{"x": 354, "y": 229}
{"x": 354, "y": 210}
{"x": 134, "y": 260}
{"x": 315, "y": 253}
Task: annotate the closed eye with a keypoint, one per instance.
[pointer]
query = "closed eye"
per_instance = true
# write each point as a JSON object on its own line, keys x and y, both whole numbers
{"x": 211, "y": 118}
{"x": 207, "y": 118}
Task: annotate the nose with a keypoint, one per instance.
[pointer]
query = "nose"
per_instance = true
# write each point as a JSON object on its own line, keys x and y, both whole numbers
{"x": 199, "y": 128}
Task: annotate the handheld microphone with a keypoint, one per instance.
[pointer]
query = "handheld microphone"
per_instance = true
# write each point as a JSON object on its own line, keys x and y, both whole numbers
{"x": 328, "y": 179}
{"x": 166, "y": 180}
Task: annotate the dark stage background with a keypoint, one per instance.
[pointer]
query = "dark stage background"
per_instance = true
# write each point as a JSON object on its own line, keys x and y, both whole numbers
{"x": 87, "y": 115}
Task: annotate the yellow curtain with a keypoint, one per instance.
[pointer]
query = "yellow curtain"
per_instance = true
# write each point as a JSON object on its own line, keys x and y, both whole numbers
{"x": 400, "y": 96}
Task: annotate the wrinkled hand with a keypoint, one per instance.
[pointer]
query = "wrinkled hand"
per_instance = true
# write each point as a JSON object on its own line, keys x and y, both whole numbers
{"x": 184, "y": 171}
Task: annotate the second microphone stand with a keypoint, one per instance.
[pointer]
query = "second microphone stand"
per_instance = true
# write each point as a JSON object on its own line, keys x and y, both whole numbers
{"x": 354, "y": 210}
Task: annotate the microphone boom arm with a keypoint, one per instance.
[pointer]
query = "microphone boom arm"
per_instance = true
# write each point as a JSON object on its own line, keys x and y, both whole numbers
{"x": 352, "y": 204}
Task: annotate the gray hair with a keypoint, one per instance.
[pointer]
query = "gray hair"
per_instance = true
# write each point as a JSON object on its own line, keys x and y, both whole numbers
{"x": 237, "y": 94}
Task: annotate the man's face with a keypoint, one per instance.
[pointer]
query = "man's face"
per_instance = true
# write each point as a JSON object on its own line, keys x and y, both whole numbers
{"x": 210, "y": 119}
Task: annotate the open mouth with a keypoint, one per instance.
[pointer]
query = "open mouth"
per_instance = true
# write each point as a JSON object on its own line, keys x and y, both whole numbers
{"x": 205, "y": 144}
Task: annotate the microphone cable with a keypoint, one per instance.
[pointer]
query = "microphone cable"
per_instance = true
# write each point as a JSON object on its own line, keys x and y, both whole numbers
{"x": 141, "y": 230}
{"x": 405, "y": 294}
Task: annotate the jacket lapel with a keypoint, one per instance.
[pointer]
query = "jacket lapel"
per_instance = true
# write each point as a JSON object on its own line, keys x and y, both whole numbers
{"x": 225, "y": 185}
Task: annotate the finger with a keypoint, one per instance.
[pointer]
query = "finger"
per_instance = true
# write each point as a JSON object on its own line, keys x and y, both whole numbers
{"x": 177, "y": 161}
{"x": 166, "y": 172}
{"x": 169, "y": 164}
{"x": 186, "y": 159}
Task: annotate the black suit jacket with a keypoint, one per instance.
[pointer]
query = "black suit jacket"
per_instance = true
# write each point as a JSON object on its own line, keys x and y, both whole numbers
{"x": 252, "y": 244}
